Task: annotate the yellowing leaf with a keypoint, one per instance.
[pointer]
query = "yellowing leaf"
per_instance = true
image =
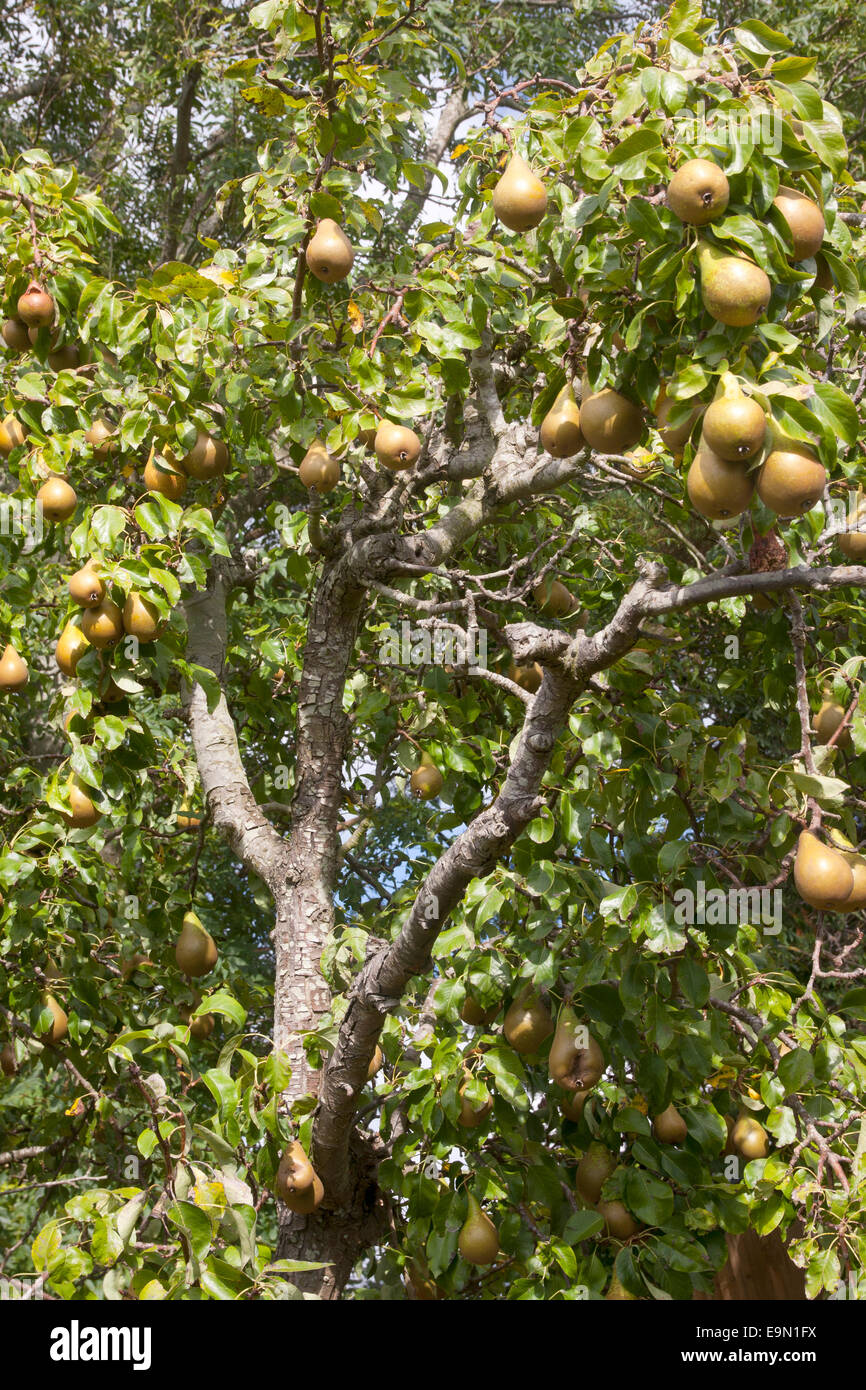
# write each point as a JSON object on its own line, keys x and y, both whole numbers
{"x": 356, "y": 317}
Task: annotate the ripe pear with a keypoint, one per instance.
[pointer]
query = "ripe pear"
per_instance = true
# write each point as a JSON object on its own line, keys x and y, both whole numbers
{"x": 792, "y": 479}
{"x": 749, "y": 1138}
{"x": 821, "y": 875}
{"x": 419, "y": 1289}
{"x": 59, "y": 1027}
{"x": 718, "y": 489}
{"x": 130, "y": 964}
{"x": 195, "y": 952}
{"x": 553, "y": 598}
{"x": 674, "y": 437}
{"x": 8, "y": 1060}
{"x": 618, "y": 1291}
{"x": 618, "y": 1220}
{"x": 735, "y": 291}
{"x": 14, "y": 674}
{"x": 11, "y": 434}
{"x": 472, "y": 1116}
{"x": 560, "y": 429}
{"x": 573, "y": 1066}
{"x": 297, "y": 1182}
{"x": 396, "y": 447}
{"x": 805, "y": 221}
{"x": 572, "y": 1105}
{"x": 529, "y": 678}
{"x": 527, "y": 1022}
{"x": 478, "y": 1241}
{"x": 71, "y": 646}
{"x": 669, "y": 1127}
{"x": 208, "y": 458}
{"x": 86, "y": 588}
{"x": 473, "y": 1014}
{"x": 856, "y": 900}
{"x": 852, "y": 542}
{"x": 100, "y": 437}
{"x": 102, "y": 625}
{"x": 15, "y": 337}
{"x": 82, "y": 813}
{"x": 65, "y": 358}
{"x": 593, "y": 1171}
{"x": 319, "y": 469}
{"x": 698, "y": 193}
{"x": 330, "y": 256}
{"x": 426, "y": 782}
{"x": 200, "y": 1027}
{"x": 160, "y": 475}
{"x": 375, "y": 1063}
{"x": 519, "y": 198}
{"x": 57, "y": 499}
{"x": 609, "y": 422}
{"x": 826, "y": 722}
{"x": 734, "y": 425}
{"x": 141, "y": 618}
{"x": 36, "y": 306}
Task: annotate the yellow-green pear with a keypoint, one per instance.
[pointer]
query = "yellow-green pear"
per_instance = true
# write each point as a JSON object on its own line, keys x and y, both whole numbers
{"x": 478, "y": 1241}
{"x": 57, "y": 499}
{"x": 609, "y": 422}
{"x": 698, "y": 193}
{"x": 821, "y": 875}
{"x": 71, "y": 646}
{"x": 805, "y": 222}
{"x": 195, "y": 952}
{"x": 827, "y": 721}
{"x": 59, "y": 1027}
{"x": 527, "y": 1022}
{"x": 735, "y": 291}
{"x": 716, "y": 488}
{"x": 734, "y": 424}
{"x": 560, "y": 428}
{"x": 319, "y": 469}
{"x": 426, "y": 781}
{"x": 11, "y": 434}
{"x": 618, "y": 1292}
{"x": 576, "y": 1062}
{"x": 618, "y": 1220}
{"x": 519, "y": 198}
{"x": 208, "y": 458}
{"x": 792, "y": 479}
{"x": 102, "y": 625}
{"x": 669, "y": 1127}
{"x": 82, "y": 813}
{"x": 593, "y": 1171}
{"x": 100, "y": 437}
{"x": 297, "y": 1183}
{"x": 330, "y": 256}
{"x": 553, "y": 598}
{"x": 14, "y": 674}
{"x": 141, "y": 618}
{"x": 749, "y": 1138}
{"x": 86, "y": 587}
{"x": 396, "y": 447}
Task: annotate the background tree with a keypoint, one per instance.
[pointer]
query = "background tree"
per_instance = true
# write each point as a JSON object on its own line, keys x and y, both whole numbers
{"x": 253, "y": 764}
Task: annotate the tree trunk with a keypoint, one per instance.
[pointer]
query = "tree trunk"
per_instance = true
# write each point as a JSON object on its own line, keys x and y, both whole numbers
{"x": 758, "y": 1269}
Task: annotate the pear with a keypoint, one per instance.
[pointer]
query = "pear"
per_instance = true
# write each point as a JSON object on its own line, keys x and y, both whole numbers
{"x": 734, "y": 425}
{"x": 560, "y": 428}
{"x": 573, "y": 1066}
{"x": 160, "y": 475}
{"x": 553, "y": 598}
{"x": 82, "y": 813}
{"x": 100, "y": 437}
{"x": 396, "y": 447}
{"x": 319, "y": 469}
{"x": 478, "y": 1241}
{"x": 419, "y": 1289}
{"x": 57, "y": 499}
{"x": 473, "y": 1014}
{"x": 375, "y": 1063}
{"x": 856, "y": 899}
{"x": 821, "y": 875}
{"x": 297, "y": 1182}
{"x": 86, "y": 588}
{"x": 735, "y": 291}
{"x": 200, "y": 1027}
{"x": 59, "y": 1027}
{"x": 519, "y": 198}
{"x": 470, "y": 1116}
{"x": 186, "y": 821}
{"x": 141, "y": 618}
{"x": 593, "y": 1171}
{"x": 609, "y": 422}
{"x": 102, "y": 625}
{"x": 529, "y": 678}
{"x": 805, "y": 221}
{"x": 792, "y": 479}
{"x": 618, "y": 1220}
{"x": 426, "y": 782}
{"x": 208, "y": 458}
{"x": 330, "y": 256}
{"x": 698, "y": 193}
{"x": 674, "y": 437}
{"x": 749, "y": 1138}
{"x": 8, "y": 1060}
{"x": 852, "y": 542}
{"x": 669, "y": 1127}
{"x": 826, "y": 722}
{"x": 65, "y": 358}
{"x": 527, "y": 1022}
{"x": 14, "y": 332}
{"x": 572, "y": 1105}
{"x": 195, "y": 952}
{"x": 71, "y": 646}
{"x": 11, "y": 434}
{"x": 718, "y": 489}
{"x": 14, "y": 674}
{"x": 130, "y": 964}
{"x": 618, "y": 1291}
{"x": 36, "y": 306}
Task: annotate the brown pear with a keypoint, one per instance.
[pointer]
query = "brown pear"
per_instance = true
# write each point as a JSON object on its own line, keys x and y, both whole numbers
{"x": 14, "y": 674}
{"x": 82, "y": 812}
{"x": 478, "y": 1241}
{"x": 57, "y": 499}
{"x": 609, "y": 422}
{"x": 329, "y": 255}
{"x": 8, "y": 1060}
{"x": 698, "y": 193}
{"x": 396, "y": 447}
{"x": 11, "y": 434}
{"x": 675, "y": 437}
{"x": 195, "y": 952}
{"x": 805, "y": 221}
{"x": 749, "y": 1138}
{"x": 477, "y": 1017}
{"x": 572, "y": 1105}
{"x": 734, "y": 426}
{"x": 59, "y": 1025}
{"x": 208, "y": 458}
{"x": 297, "y": 1182}
{"x": 529, "y": 678}
{"x": 15, "y": 337}
{"x": 593, "y": 1171}
{"x": 718, "y": 489}
{"x": 519, "y": 198}
{"x": 669, "y": 1127}
{"x": 791, "y": 480}
{"x": 375, "y": 1063}
{"x": 735, "y": 291}
{"x": 527, "y": 1022}
{"x": 852, "y": 542}
{"x": 426, "y": 782}
{"x": 102, "y": 625}
{"x": 130, "y": 964}
{"x": 856, "y": 899}
{"x": 618, "y": 1220}
{"x": 100, "y": 437}
{"x": 821, "y": 875}
{"x": 826, "y": 722}
{"x": 319, "y": 469}
{"x": 576, "y": 1061}
{"x": 160, "y": 475}
{"x": 141, "y": 618}
{"x": 560, "y": 429}
{"x": 86, "y": 588}
{"x": 36, "y": 306}
{"x": 553, "y": 598}
{"x": 71, "y": 646}
{"x": 200, "y": 1027}
{"x": 65, "y": 358}
{"x": 471, "y": 1116}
